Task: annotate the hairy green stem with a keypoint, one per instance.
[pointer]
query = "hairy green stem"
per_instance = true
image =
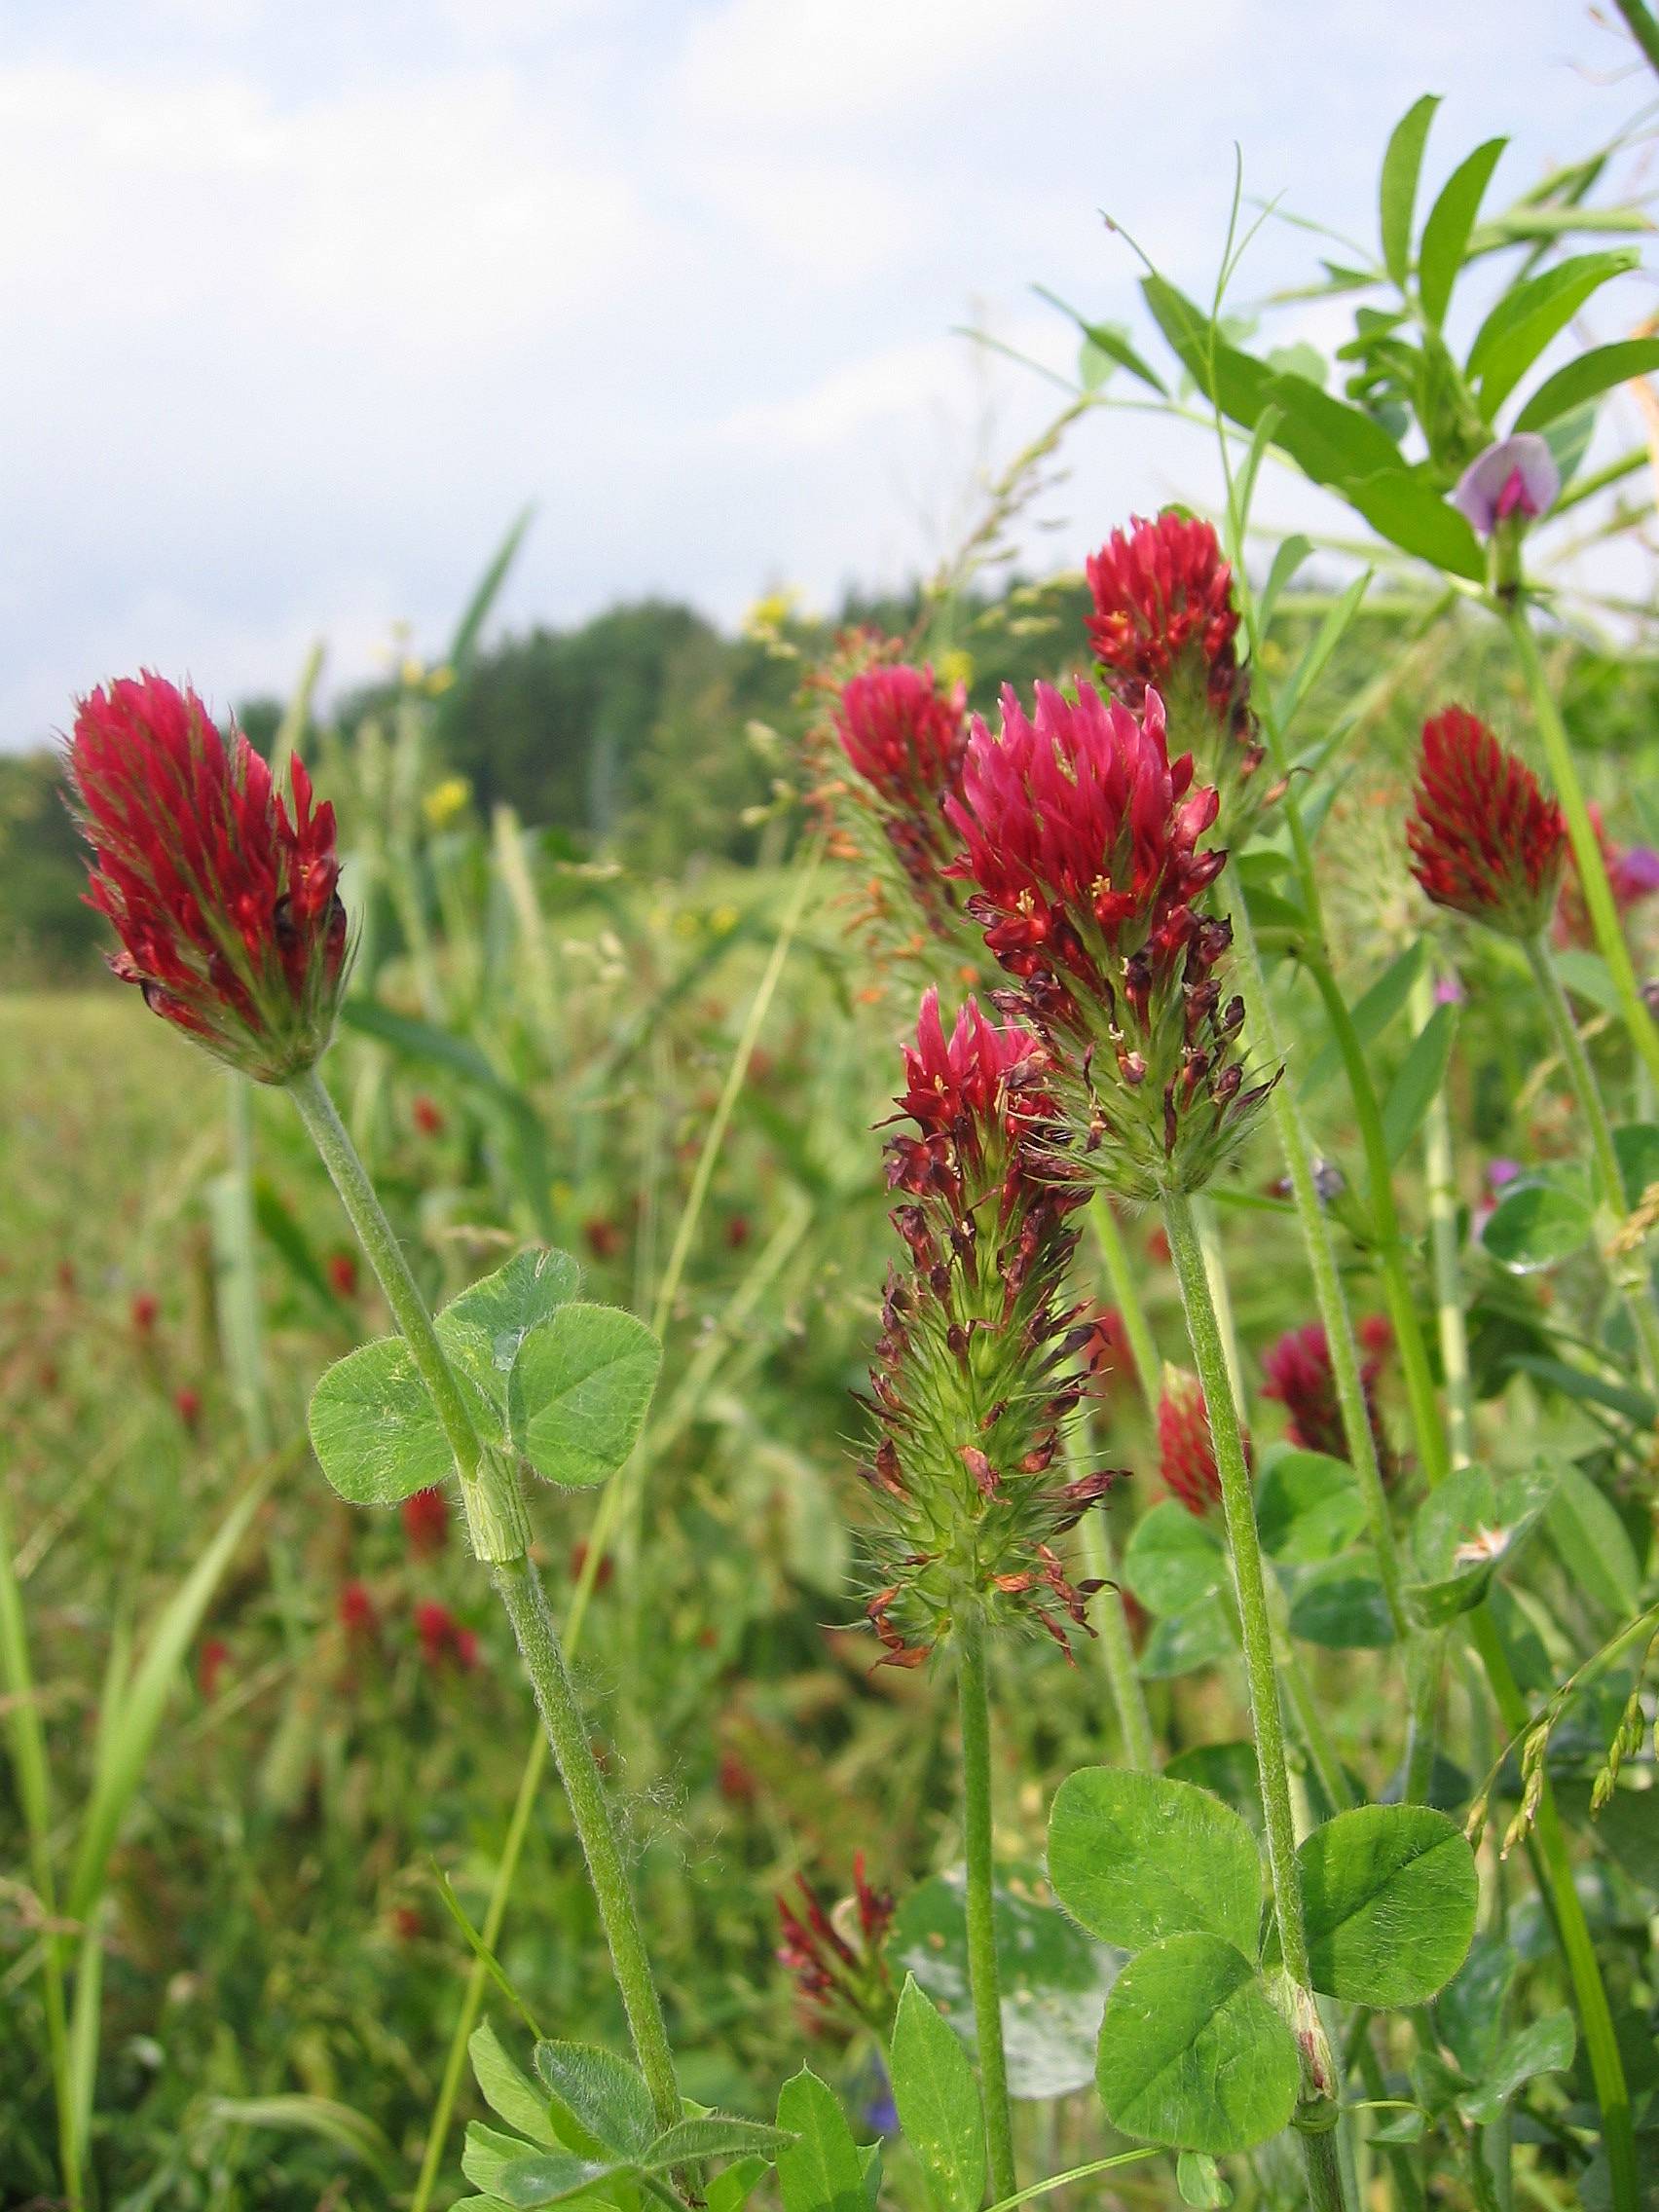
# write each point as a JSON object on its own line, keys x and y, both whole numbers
{"x": 519, "y": 1590}
{"x": 1324, "y": 2172}
{"x": 500, "y": 1533}
{"x": 1635, "y": 1288}
{"x": 1600, "y": 2039}
{"x": 1117, "y": 1648}
{"x": 1440, "y": 1179}
{"x": 983, "y": 1981}
{"x": 1328, "y": 1293}
{"x": 1586, "y": 845}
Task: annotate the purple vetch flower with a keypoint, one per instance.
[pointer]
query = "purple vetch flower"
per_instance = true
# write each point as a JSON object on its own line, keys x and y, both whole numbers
{"x": 1635, "y": 874}
{"x": 1500, "y": 1172}
{"x": 1449, "y": 990}
{"x": 1517, "y": 476}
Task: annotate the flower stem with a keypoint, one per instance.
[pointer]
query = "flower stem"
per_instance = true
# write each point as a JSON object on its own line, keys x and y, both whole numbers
{"x": 1572, "y": 1930}
{"x": 500, "y": 1536}
{"x": 1440, "y": 1180}
{"x": 1586, "y": 845}
{"x": 519, "y": 1587}
{"x": 1328, "y": 1292}
{"x": 1609, "y": 1176}
{"x": 1255, "y": 1617}
{"x": 1324, "y": 2172}
{"x": 983, "y": 1981}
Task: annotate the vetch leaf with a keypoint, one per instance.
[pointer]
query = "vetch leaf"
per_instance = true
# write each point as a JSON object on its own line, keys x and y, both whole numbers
{"x": 1451, "y": 221}
{"x": 1468, "y": 1529}
{"x": 1540, "y": 1220}
{"x": 1389, "y": 1897}
{"x": 579, "y": 1393}
{"x": 1592, "y": 1544}
{"x": 1192, "y": 2052}
{"x": 1402, "y": 164}
{"x": 1342, "y": 1608}
{"x": 714, "y": 2135}
{"x": 1421, "y": 1074}
{"x": 486, "y": 2153}
{"x": 550, "y": 2177}
{"x": 1531, "y": 313}
{"x": 1198, "y": 2181}
{"x": 1469, "y": 2010}
{"x": 600, "y": 2104}
{"x": 821, "y": 2171}
{"x": 507, "y": 2090}
{"x": 1375, "y": 1010}
{"x": 938, "y": 2103}
{"x": 1331, "y": 442}
{"x": 1182, "y": 1642}
{"x": 1173, "y": 1559}
{"x": 1587, "y": 378}
{"x": 1289, "y": 557}
{"x": 731, "y": 2188}
{"x": 1308, "y": 1506}
{"x": 373, "y": 1429}
{"x": 1136, "y": 1857}
{"x": 1541, "y": 2046}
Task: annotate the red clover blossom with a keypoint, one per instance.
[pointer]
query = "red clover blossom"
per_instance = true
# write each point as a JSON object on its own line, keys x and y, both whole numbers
{"x": 1082, "y": 847}
{"x": 1485, "y": 840}
{"x": 977, "y": 1366}
{"x": 225, "y": 904}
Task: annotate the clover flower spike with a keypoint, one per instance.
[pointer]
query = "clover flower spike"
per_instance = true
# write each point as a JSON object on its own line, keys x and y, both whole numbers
{"x": 1163, "y": 619}
{"x": 1485, "y": 842}
{"x": 224, "y": 902}
{"x": 1083, "y": 845}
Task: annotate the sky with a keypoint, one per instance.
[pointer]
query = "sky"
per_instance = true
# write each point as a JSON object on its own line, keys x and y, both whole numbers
{"x": 301, "y": 301}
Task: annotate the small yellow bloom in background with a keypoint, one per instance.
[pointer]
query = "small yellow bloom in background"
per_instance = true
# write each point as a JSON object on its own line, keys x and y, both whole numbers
{"x": 722, "y": 920}
{"x": 955, "y": 667}
{"x": 767, "y": 616}
{"x": 439, "y": 681}
{"x": 445, "y": 800}
{"x": 411, "y": 673}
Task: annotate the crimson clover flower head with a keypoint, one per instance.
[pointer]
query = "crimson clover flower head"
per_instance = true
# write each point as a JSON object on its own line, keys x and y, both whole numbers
{"x": 1186, "y": 1449}
{"x": 1485, "y": 842}
{"x": 904, "y": 734}
{"x": 1082, "y": 845}
{"x": 1163, "y": 619}
{"x": 978, "y": 1366}
{"x": 225, "y": 904}
{"x": 835, "y": 1955}
{"x": 1300, "y": 1377}
{"x": 1516, "y": 478}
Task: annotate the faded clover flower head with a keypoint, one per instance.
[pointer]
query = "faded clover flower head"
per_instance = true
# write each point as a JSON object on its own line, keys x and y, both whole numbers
{"x": 1083, "y": 848}
{"x": 1515, "y": 478}
{"x": 226, "y": 906}
{"x": 1299, "y": 1375}
{"x": 1186, "y": 1449}
{"x": 1163, "y": 619}
{"x": 1485, "y": 842}
{"x": 835, "y": 1955}
{"x": 977, "y": 1366}
{"x": 904, "y": 735}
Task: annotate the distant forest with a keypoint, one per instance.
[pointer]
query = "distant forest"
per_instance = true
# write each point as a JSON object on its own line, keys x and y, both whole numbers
{"x": 627, "y": 735}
